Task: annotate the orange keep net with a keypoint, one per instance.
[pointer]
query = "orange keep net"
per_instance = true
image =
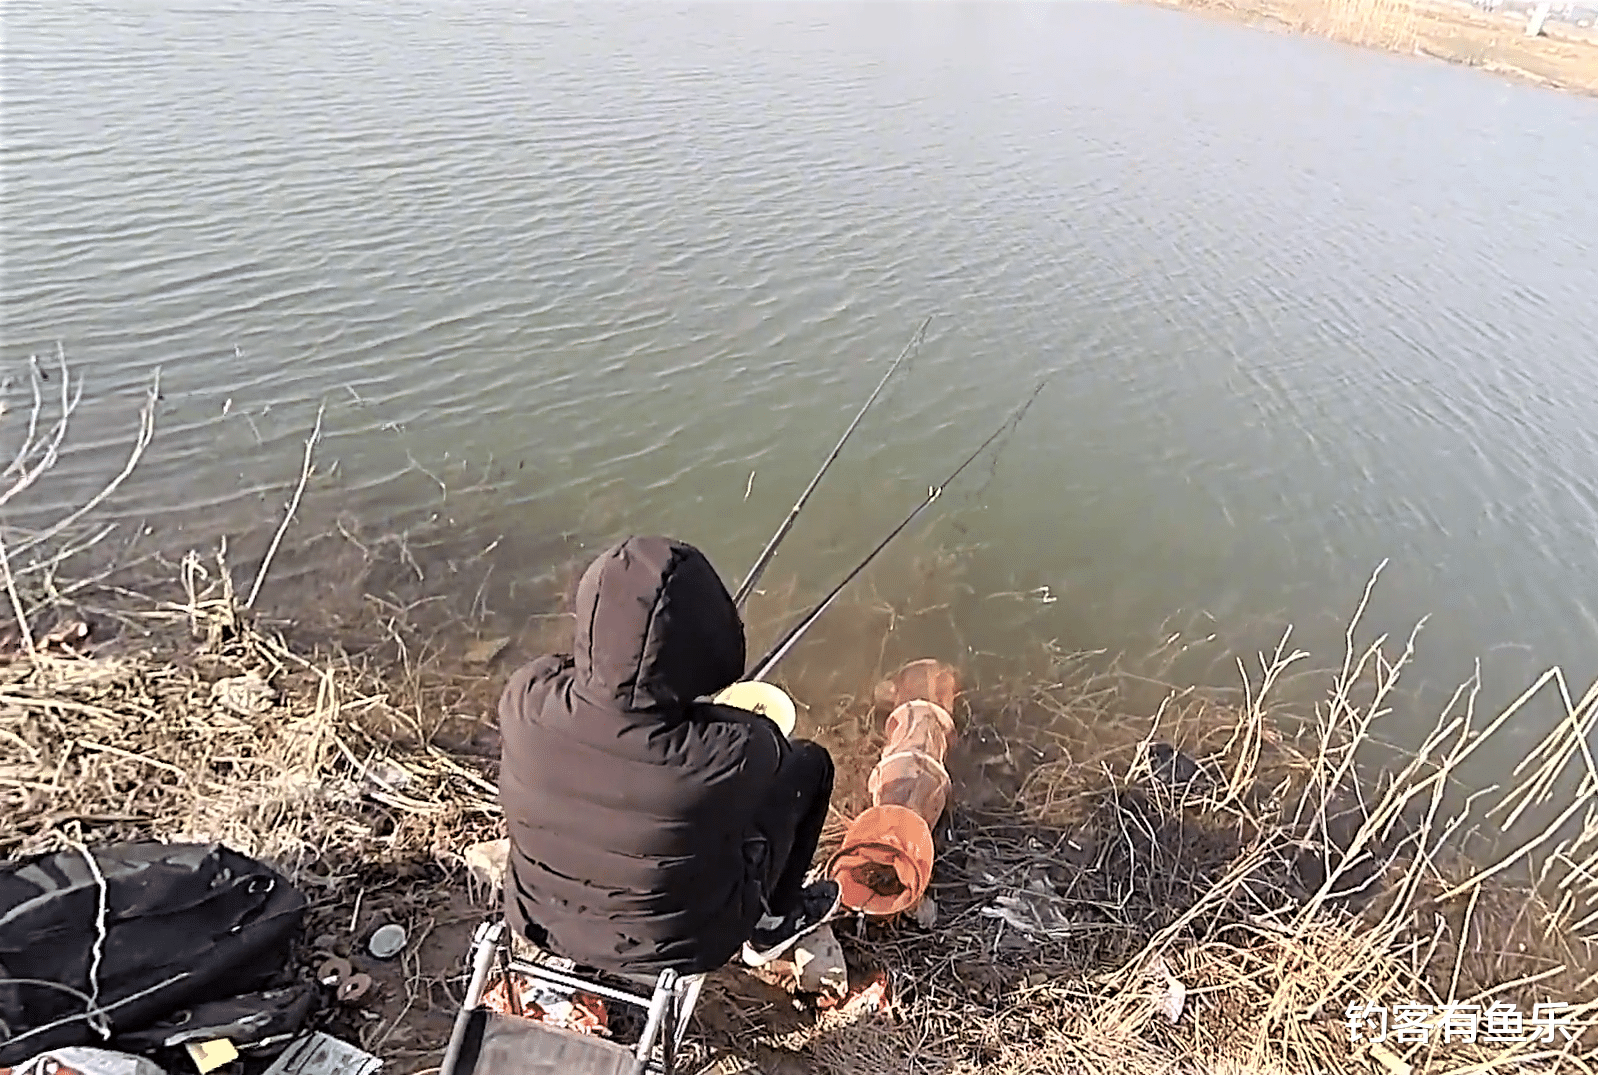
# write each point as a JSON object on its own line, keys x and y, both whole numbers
{"x": 886, "y": 860}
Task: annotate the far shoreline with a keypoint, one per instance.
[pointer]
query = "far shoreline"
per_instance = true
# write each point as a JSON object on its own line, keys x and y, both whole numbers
{"x": 1563, "y": 57}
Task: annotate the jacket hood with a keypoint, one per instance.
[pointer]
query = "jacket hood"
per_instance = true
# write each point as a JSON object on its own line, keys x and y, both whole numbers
{"x": 655, "y": 627}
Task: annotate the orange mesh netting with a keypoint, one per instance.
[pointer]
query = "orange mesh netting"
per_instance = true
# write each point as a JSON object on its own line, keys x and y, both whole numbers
{"x": 886, "y": 860}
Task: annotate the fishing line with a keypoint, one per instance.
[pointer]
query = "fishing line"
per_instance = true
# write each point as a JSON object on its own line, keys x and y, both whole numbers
{"x": 763, "y": 667}
{"x": 748, "y": 585}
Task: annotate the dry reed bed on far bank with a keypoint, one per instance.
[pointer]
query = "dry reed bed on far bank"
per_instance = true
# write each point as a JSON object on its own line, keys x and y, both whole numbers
{"x": 1562, "y": 57}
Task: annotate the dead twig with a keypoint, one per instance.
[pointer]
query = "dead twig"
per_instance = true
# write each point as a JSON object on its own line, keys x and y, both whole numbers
{"x": 293, "y": 506}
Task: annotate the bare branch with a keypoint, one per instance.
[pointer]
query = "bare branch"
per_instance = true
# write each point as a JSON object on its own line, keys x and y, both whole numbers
{"x": 28, "y": 475}
{"x": 16, "y": 600}
{"x": 146, "y": 432}
{"x": 293, "y": 506}
{"x": 33, "y": 416}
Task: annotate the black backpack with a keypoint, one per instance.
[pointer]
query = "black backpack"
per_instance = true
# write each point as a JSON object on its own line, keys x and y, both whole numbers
{"x": 182, "y": 924}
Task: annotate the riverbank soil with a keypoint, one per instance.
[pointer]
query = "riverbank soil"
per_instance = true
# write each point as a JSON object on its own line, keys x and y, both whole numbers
{"x": 1199, "y": 884}
{"x": 1563, "y": 57}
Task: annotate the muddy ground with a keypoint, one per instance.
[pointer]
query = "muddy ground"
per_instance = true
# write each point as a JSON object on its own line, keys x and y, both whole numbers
{"x": 371, "y": 767}
{"x": 406, "y": 1016}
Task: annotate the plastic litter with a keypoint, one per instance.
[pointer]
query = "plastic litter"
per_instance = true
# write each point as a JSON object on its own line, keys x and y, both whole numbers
{"x": 387, "y": 942}
{"x": 487, "y": 862}
{"x": 819, "y": 965}
{"x": 323, "y": 1054}
{"x": 248, "y": 695}
{"x": 763, "y": 698}
{"x": 1172, "y": 995}
{"x": 1036, "y": 909}
{"x": 85, "y": 1060}
{"x": 385, "y": 775}
{"x": 210, "y": 1055}
{"x": 485, "y": 650}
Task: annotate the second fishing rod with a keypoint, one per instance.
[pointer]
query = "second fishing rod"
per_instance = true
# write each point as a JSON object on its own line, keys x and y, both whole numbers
{"x": 753, "y": 577}
{"x": 763, "y": 667}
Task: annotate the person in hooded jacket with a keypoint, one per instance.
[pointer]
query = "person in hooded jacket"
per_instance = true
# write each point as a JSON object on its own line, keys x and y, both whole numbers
{"x": 650, "y": 828}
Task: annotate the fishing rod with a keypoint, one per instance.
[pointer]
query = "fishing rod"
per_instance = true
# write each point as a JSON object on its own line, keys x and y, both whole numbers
{"x": 777, "y": 652}
{"x": 748, "y": 585}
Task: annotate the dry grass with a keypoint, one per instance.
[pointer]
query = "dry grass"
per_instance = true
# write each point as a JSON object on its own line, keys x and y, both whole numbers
{"x": 1384, "y": 24}
{"x": 145, "y": 743}
{"x": 1279, "y": 885}
{"x": 1251, "y": 855}
{"x": 1563, "y": 57}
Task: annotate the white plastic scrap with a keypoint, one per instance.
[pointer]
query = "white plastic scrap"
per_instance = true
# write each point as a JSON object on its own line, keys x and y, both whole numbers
{"x": 819, "y": 965}
{"x": 1036, "y": 909}
{"x": 87, "y": 1061}
{"x": 485, "y": 650}
{"x": 248, "y": 695}
{"x": 1172, "y": 996}
{"x": 386, "y": 775}
{"x": 322, "y": 1054}
{"x": 487, "y": 863}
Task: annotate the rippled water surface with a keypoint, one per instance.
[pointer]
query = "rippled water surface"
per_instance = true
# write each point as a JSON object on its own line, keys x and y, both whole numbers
{"x": 1305, "y": 308}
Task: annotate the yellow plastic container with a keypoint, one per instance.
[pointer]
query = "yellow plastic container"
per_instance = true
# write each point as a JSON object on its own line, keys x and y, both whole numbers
{"x": 763, "y": 698}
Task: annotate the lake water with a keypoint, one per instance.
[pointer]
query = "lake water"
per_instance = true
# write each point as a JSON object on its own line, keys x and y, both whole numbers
{"x": 1305, "y": 307}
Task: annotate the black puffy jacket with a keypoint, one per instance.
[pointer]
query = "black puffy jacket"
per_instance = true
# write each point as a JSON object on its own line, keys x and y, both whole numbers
{"x": 633, "y": 808}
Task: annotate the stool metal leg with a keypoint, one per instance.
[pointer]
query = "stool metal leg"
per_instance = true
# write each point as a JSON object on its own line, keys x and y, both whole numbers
{"x": 485, "y": 944}
{"x": 687, "y": 999}
{"x": 665, "y": 989}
